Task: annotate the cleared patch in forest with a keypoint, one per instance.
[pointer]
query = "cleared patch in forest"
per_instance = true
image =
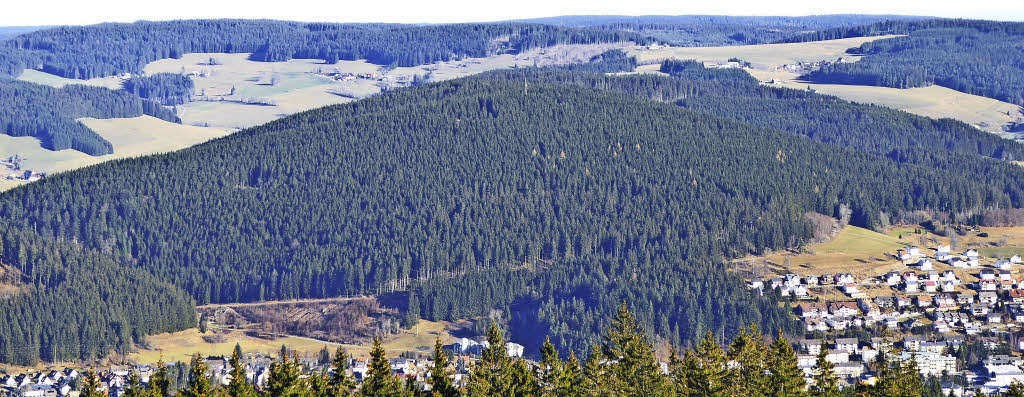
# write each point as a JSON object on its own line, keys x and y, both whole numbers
{"x": 131, "y": 137}
{"x": 937, "y": 102}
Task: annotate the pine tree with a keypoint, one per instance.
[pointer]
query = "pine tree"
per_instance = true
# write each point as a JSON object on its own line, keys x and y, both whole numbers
{"x": 239, "y": 385}
{"x": 749, "y": 352}
{"x": 440, "y": 376}
{"x": 825, "y": 382}
{"x": 490, "y": 376}
{"x": 91, "y": 387}
{"x": 379, "y": 381}
{"x": 705, "y": 369}
{"x": 199, "y": 384}
{"x": 341, "y": 381}
{"x": 572, "y": 382}
{"x": 550, "y": 367}
{"x": 637, "y": 370}
{"x": 160, "y": 383}
{"x": 134, "y": 388}
{"x": 284, "y": 377}
{"x": 786, "y": 378}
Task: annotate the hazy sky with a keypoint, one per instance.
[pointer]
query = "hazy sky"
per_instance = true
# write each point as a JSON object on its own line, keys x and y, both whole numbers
{"x": 58, "y": 12}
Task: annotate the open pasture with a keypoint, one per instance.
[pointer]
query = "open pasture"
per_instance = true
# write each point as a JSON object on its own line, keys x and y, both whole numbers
{"x": 937, "y": 102}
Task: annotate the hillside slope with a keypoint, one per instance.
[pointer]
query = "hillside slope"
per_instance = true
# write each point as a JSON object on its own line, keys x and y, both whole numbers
{"x": 553, "y": 202}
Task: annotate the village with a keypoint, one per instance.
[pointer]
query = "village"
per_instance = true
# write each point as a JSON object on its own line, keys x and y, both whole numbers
{"x": 926, "y": 311}
{"x": 114, "y": 379}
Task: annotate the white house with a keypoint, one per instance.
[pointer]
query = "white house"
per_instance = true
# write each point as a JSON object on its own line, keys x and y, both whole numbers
{"x": 958, "y": 263}
{"x": 925, "y": 264}
{"x": 1003, "y": 264}
{"x": 988, "y": 297}
{"x": 1016, "y": 259}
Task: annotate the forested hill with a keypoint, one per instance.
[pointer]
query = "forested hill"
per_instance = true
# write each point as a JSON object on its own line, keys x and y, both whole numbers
{"x": 551, "y": 201}
{"x": 718, "y": 30}
{"x": 977, "y": 57}
{"x": 734, "y": 94}
{"x": 106, "y": 49}
{"x": 73, "y": 304}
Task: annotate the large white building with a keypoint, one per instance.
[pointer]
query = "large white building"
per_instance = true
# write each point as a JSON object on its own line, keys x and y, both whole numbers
{"x": 930, "y": 363}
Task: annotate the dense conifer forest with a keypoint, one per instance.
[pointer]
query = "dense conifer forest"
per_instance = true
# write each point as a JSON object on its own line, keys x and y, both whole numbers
{"x": 977, "y": 57}
{"x": 106, "y": 49}
{"x": 50, "y": 113}
{"x": 552, "y": 199}
{"x": 718, "y": 30}
{"x": 78, "y": 304}
{"x": 168, "y": 89}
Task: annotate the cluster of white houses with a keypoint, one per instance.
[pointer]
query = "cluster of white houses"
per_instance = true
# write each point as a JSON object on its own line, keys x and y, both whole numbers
{"x": 851, "y": 359}
{"x": 114, "y": 380}
{"x": 995, "y": 299}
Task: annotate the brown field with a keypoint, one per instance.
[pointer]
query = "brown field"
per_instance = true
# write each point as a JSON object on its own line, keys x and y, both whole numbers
{"x": 181, "y": 345}
{"x": 341, "y": 320}
{"x": 866, "y": 253}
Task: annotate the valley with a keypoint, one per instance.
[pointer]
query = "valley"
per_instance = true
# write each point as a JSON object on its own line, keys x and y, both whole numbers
{"x": 571, "y": 206}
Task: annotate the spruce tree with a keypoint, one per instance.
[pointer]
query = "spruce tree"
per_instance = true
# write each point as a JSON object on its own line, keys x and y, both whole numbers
{"x": 91, "y": 387}
{"x": 786, "y": 378}
{"x": 1016, "y": 389}
{"x": 705, "y": 368}
{"x": 160, "y": 382}
{"x": 597, "y": 379}
{"x": 379, "y": 381}
{"x": 636, "y": 370}
{"x": 749, "y": 352}
{"x": 572, "y": 382}
{"x": 677, "y": 373}
{"x": 825, "y": 382}
{"x": 134, "y": 388}
{"x": 199, "y": 384}
{"x": 522, "y": 380}
{"x": 341, "y": 381}
{"x": 490, "y": 376}
{"x": 239, "y": 385}
{"x": 440, "y": 376}
{"x": 550, "y": 367}
{"x": 284, "y": 377}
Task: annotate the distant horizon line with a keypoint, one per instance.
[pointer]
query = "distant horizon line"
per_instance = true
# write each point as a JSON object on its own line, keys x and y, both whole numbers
{"x": 516, "y": 19}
